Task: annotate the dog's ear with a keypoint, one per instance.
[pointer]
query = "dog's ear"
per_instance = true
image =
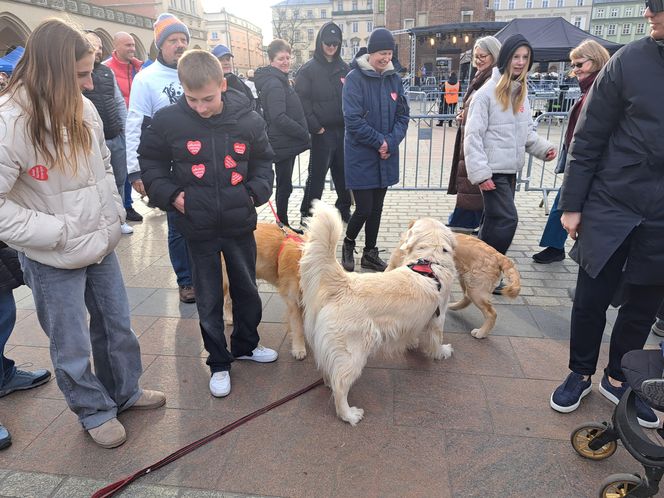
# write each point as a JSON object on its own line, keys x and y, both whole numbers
{"x": 408, "y": 240}
{"x": 410, "y": 225}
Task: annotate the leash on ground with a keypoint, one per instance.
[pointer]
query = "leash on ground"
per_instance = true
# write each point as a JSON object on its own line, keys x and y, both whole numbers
{"x": 111, "y": 489}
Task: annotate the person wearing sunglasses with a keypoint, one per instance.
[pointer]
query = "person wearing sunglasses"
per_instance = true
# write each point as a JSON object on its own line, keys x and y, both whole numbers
{"x": 319, "y": 84}
{"x": 612, "y": 197}
{"x": 587, "y": 59}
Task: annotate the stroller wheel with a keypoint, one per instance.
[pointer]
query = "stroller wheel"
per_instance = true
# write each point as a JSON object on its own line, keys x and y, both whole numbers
{"x": 584, "y": 434}
{"x": 619, "y": 485}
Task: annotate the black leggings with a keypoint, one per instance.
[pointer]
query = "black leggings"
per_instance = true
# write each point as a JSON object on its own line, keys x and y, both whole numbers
{"x": 368, "y": 209}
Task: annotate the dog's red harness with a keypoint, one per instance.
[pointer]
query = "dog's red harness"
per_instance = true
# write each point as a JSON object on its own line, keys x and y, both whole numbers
{"x": 289, "y": 236}
{"x": 423, "y": 267}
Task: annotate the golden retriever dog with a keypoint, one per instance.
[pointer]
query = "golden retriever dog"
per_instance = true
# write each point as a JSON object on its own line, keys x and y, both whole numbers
{"x": 479, "y": 267}
{"x": 277, "y": 262}
{"x": 350, "y": 316}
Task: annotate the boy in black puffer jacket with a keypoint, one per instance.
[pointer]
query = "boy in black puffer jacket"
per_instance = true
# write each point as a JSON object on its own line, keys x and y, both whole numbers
{"x": 12, "y": 379}
{"x": 207, "y": 157}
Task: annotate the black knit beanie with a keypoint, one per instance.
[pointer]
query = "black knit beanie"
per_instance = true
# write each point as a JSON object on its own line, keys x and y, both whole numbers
{"x": 380, "y": 39}
{"x": 507, "y": 51}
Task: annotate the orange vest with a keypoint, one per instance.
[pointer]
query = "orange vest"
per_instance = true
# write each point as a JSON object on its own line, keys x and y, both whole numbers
{"x": 451, "y": 93}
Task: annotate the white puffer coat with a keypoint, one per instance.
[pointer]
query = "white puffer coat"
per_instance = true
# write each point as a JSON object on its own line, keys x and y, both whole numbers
{"x": 53, "y": 217}
{"x": 496, "y": 141}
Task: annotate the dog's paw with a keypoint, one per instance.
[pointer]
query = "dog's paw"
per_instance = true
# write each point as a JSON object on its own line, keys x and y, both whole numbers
{"x": 299, "y": 354}
{"x": 478, "y": 333}
{"x": 353, "y": 415}
{"x": 445, "y": 351}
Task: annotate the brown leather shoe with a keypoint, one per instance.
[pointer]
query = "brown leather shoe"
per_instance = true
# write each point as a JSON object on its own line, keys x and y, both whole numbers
{"x": 149, "y": 400}
{"x": 187, "y": 294}
{"x": 110, "y": 434}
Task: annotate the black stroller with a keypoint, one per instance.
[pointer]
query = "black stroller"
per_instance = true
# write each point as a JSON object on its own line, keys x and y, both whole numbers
{"x": 644, "y": 371}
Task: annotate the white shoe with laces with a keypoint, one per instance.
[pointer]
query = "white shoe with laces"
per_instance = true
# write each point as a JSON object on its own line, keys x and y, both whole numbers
{"x": 261, "y": 354}
{"x": 126, "y": 229}
{"x": 220, "y": 384}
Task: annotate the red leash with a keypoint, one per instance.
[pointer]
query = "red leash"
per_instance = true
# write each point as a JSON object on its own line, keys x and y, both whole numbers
{"x": 111, "y": 489}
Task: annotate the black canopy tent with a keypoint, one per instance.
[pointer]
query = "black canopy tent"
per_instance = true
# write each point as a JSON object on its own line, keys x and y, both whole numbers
{"x": 552, "y": 38}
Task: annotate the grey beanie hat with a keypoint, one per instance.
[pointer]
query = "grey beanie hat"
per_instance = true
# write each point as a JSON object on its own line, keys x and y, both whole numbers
{"x": 491, "y": 45}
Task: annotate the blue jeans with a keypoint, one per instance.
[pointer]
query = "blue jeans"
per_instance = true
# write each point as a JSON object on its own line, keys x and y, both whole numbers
{"x": 240, "y": 256}
{"x": 178, "y": 252}
{"x": 119, "y": 162}
{"x": 554, "y": 234}
{"x": 127, "y": 194}
{"x": 62, "y": 298}
{"x": 7, "y": 321}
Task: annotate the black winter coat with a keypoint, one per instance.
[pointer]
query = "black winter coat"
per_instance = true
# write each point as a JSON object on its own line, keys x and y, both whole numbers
{"x": 319, "y": 84}
{"x": 223, "y": 164}
{"x": 615, "y": 168}
{"x": 282, "y": 109}
{"x": 11, "y": 275}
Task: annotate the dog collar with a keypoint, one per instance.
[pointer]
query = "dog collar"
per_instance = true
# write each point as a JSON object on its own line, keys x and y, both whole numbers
{"x": 423, "y": 267}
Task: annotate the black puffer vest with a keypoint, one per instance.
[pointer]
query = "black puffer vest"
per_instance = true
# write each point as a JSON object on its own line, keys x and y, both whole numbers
{"x": 103, "y": 97}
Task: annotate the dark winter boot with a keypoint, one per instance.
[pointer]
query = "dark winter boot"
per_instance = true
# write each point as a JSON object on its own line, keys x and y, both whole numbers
{"x": 348, "y": 254}
{"x": 371, "y": 261}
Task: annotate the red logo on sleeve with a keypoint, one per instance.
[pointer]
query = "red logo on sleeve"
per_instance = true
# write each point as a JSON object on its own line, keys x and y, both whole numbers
{"x": 194, "y": 146}
{"x": 239, "y": 148}
{"x": 394, "y": 96}
{"x": 229, "y": 162}
{"x": 236, "y": 178}
{"x": 198, "y": 170}
{"x": 39, "y": 172}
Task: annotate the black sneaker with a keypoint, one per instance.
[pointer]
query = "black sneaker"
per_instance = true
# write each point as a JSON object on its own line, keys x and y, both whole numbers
{"x": 348, "y": 254}
{"x": 568, "y": 395}
{"x": 549, "y": 255}
{"x": 645, "y": 416}
{"x": 132, "y": 215}
{"x": 371, "y": 261}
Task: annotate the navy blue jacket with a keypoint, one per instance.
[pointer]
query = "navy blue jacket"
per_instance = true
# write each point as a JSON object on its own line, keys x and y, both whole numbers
{"x": 375, "y": 109}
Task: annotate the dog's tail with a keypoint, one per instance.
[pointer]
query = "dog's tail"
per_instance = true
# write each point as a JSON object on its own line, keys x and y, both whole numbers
{"x": 512, "y": 274}
{"x": 319, "y": 268}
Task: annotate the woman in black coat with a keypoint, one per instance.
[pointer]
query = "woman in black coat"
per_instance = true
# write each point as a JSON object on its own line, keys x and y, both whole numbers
{"x": 612, "y": 198}
{"x": 12, "y": 379}
{"x": 286, "y": 125}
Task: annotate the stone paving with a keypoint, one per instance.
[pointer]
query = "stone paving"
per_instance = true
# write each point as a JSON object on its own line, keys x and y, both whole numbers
{"x": 475, "y": 425}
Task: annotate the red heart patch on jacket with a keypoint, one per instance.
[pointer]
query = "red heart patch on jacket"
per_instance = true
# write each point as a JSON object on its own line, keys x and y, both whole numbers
{"x": 236, "y": 178}
{"x": 394, "y": 96}
{"x": 343, "y": 80}
{"x": 239, "y": 147}
{"x": 198, "y": 170}
{"x": 38, "y": 172}
{"x": 229, "y": 162}
{"x": 194, "y": 146}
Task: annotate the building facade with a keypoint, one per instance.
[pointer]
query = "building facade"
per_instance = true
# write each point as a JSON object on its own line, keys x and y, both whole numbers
{"x": 576, "y": 12}
{"x": 298, "y": 22}
{"x": 18, "y": 18}
{"x": 356, "y": 20}
{"x": 448, "y": 43}
{"x": 619, "y": 21}
{"x": 243, "y": 38}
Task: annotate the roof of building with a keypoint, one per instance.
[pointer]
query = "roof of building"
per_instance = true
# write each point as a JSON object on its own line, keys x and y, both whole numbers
{"x": 293, "y": 3}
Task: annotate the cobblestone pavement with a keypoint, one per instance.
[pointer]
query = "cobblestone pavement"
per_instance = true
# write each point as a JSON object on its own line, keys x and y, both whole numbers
{"x": 475, "y": 425}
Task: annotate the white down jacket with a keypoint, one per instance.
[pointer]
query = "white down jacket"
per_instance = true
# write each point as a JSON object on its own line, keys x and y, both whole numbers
{"x": 496, "y": 141}
{"x": 53, "y": 217}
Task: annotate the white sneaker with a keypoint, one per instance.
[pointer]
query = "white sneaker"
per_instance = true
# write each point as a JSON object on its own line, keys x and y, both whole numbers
{"x": 220, "y": 384}
{"x": 126, "y": 229}
{"x": 261, "y": 354}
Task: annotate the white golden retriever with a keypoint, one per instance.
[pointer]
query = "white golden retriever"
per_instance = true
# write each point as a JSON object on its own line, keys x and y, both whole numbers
{"x": 350, "y": 316}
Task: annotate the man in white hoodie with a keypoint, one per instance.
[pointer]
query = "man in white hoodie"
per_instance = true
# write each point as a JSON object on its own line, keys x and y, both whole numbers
{"x": 155, "y": 87}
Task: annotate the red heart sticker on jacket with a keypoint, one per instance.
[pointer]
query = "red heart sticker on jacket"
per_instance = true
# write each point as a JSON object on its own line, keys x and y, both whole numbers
{"x": 39, "y": 172}
{"x": 239, "y": 147}
{"x": 194, "y": 146}
{"x": 198, "y": 170}
{"x": 229, "y": 162}
{"x": 236, "y": 178}
{"x": 343, "y": 80}
{"x": 394, "y": 96}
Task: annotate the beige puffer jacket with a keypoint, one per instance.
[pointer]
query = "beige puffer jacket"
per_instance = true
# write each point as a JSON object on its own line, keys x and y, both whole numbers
{"x": 53, "y": 217}
{"x": 496, "y": 141}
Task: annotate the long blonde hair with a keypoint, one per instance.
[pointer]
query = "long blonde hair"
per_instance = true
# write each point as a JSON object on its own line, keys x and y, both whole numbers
{"x": 504, "y": 93}
{"x": 54, "y": 107}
